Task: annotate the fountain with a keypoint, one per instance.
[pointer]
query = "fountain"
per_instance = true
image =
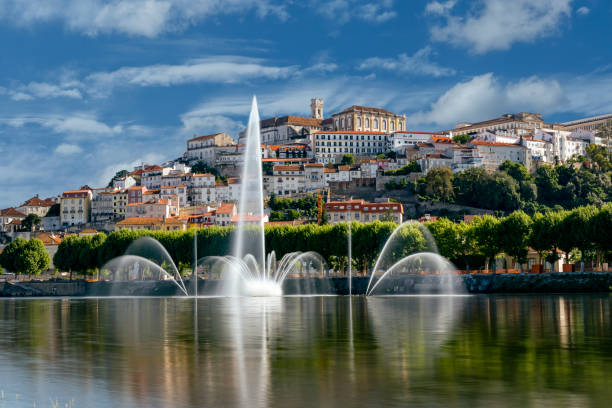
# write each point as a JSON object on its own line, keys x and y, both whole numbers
{"x": 248, "y": 272}
{"x": 145, "y": 259}
{"x": 409, "y": 263}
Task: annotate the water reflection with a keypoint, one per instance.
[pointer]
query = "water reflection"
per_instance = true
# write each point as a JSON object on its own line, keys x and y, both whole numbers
{"x": 307, "y": 351}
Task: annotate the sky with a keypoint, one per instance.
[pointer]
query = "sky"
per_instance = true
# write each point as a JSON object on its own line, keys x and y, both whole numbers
{"x": 90, "y": 87}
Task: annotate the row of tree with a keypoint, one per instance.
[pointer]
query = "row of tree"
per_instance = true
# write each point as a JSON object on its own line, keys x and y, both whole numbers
{"x": 583, "y": 231}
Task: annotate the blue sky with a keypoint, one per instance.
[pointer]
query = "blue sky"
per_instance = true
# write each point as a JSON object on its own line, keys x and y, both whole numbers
{"x": 88, "y": 87}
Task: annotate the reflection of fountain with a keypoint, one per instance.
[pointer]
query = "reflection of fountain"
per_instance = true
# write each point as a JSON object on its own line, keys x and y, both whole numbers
{"x": 145, "y": 259}
{"x": 247, "y": 271}
{"x": 411, "y": 252}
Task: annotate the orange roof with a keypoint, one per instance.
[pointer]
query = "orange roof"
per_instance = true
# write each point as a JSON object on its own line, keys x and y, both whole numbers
{"x": 137, "y": 188}
{"x": 202, "y": 175}
{"x": 350, "y": 132}
{"x": 313, "y": 164}
{"x": 419, "y": 133}
{"x": 479, "y": 143}
{"x": 247, "y": 217}
{"x": 330, "y": 170}
{"x": 233, "y": 180}
{"x": 363, "y": 206}
{"x": 226, "y": 208}
{"x": 37, "y": 202}
{"x": 441, "y": 139}
{"x": 49, "y": 239}
{"x": 149, "y": 221}
{"x": 296, "y": 159}
{"x": 76, "y": 192}
{"x": 280, "y": 167}
{"x": 11, "y": 212}
{"x": 89, "y": 231}
{"x": 205, "y": 137}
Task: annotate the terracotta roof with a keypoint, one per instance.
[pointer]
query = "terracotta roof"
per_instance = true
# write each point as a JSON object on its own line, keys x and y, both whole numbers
{"x": 154, "y": 167}
{"x": 11, "y": 212}
{"x": 441, "y": 139}
{"x": 15, "y": 222}
{"x": 149, "y": 221}
{"x": 313, "y": 165}
{"x": 290, "y": 120}
{"x": 479, "y": 143}
{"x": 233, "y": 180}
{"x": 330, "y": 170}
{"x": 436, "y": 156}
{"x": 37, "y": 202}
{"x": 363, "y": 206}
{"x": 48, "y": 239}
{"x": 226, "y": 208}
{"x": 296, "y": 159}
{"x": 203, "y": 175}
{"x": 280, "y": 167}
{"x": 79, "y": 192}
{"x": 358, "y": 108}
{"x": 204, "y": 137}
{"x": 419, "y": 133}
{"x": 349, "y": 132}
{"x": 89, "y": 231}
{"x": 421, "y": 144}
{"x": 247, "y": 217}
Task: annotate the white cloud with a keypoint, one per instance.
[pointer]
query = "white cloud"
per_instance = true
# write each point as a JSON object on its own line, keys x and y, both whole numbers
{"x": 68, "y": 149}
{"x": 199, "y": 123}
{"x": 76, "y": 126}
{"x": 497, "y": 24}
{"x": 484, "y": 97}
{"x": 148, "y": 18}
{"x": 419, "y": 64}
{"x": 221, "y": 69}
{"x": 583, "y": 11}
{"x": 438, "y": 7}
{"x": 342, "y": 11}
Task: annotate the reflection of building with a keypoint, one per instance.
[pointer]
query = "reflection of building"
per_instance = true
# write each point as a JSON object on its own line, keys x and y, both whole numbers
{"x": 363, "y": 211}
{"x": 363, "y": 118}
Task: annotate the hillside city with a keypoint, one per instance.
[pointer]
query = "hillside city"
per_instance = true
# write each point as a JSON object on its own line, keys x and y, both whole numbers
{"x": 360, "y": 164}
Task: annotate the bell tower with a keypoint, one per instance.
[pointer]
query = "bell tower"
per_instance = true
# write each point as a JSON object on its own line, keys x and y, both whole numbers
{"x": 316, "y": 108}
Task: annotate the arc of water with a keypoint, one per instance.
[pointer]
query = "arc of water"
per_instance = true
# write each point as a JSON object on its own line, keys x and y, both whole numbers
{"x": 136, "y": 259}
{"x": 390, "y": 240}
{"x": 165, "y": 253}
{"x": 402, "y": 261}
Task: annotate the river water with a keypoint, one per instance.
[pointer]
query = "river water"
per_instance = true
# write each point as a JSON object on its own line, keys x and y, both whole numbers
{"x": 493, "y": 351}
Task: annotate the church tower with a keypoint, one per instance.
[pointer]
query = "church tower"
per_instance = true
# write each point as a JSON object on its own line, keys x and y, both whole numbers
{"x": 316, "y": 108}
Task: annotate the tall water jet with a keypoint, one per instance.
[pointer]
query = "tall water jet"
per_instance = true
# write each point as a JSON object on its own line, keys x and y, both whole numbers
{"x": 250, "y": 207}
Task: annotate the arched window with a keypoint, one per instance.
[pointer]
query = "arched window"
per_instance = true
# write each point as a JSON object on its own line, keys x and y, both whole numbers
{"x": 375, "y": 123}
{"x": 358, "y": 121}
{"x": 384, "y": 123}
{"x": 350, "y": 122}
{"x": 336, "y": 124}
{"x": 400, "y": 126}
{"x": 392, "y": 126}
{"x": 367, "y": 123}
{"x": 342, "y": 123}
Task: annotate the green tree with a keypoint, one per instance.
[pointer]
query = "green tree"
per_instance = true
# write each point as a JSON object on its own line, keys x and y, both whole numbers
{"x": 30, "y": 222}
{"x": 348, "y": 159}
{"x": 118, "y": 175}
{"x": 485, "y": 230}
{"x": 439, "y": 184}
{"x": 461, "y": 139}
{"x": 577, "y": 231}
{"x": 544, "y": 236}
{"x": 514, "y": 231}
{"x": 602, "y": 225}
{"x": 27, "y": 257}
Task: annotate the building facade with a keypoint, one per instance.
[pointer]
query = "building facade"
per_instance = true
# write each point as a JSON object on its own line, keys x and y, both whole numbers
{"x": 367, "y": 119}
{"x": 75, "y": 207}
{"x": 330, "y": 146}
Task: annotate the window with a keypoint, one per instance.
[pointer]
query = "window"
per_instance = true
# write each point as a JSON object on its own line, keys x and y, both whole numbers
{"x": 384, "y": 125}
{"x": 358, "y": 121}
{"x": 375, "y": 123}
{"x": 392, "y": 126}
{"x": 367, "y": 122}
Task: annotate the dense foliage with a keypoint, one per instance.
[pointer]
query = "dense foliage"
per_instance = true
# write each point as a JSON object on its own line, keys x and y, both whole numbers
{"x": 412, "y": 167}
{"x": 583, "y": 232}
{"x": 289, "y": 209}
{"x": 27, "y": 257}
{"x": 512, "y": 187}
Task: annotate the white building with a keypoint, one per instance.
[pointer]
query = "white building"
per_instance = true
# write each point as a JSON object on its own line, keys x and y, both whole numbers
{"x": 203, "y": 148}
{"x": 288, "y": 180}
{"x": 75, "y": 207}
{"x": 363, "y": 211}
{"x": 494, "y": 154}
{"x": 331, "y": 146}
{"x": 433, "y": 160}
{"x": 124, "y": 183}
{"x": 102, "y": 208}
{"x": 399, "y": 140}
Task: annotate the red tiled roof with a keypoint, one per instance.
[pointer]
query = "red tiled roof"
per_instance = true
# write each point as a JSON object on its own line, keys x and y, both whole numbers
{"x": 313, "y": 164}
{"x": 358, "y": 108}
{"x": 280, "y": 167}
{"x": 37, "y": 202}
{"x": 479, "y": 143}
{"x": 204, "y": 137}
{"x": 226, "y": 208}
{"x": 11, "y": 212}
{"x": 290, "y": 120}
{"x": 363, "y": 206}
{"x": 349, "y": 132}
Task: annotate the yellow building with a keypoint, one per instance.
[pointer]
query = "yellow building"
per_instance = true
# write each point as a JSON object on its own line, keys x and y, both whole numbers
{"x": 75, "y": 207}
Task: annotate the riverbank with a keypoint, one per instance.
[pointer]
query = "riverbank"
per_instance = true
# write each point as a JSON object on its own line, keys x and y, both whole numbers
{"x": 588, "y": 282}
